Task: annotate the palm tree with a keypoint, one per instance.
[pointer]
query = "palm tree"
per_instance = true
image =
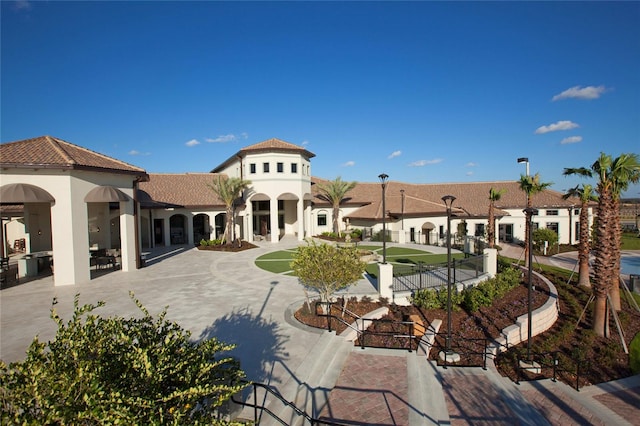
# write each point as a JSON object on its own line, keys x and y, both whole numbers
{"x": 614, "y": 176}
{"x": 334, "y": 192}
{"x": 228, "y": 190}
{"x": 586, "y": 195}
{"x": 494, "y": 195}
{"x": 531, "y": 185}
{"x": 624, "y": 170}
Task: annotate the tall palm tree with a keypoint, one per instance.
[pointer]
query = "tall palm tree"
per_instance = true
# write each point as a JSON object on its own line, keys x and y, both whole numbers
{"x": 228, "y": 190}
{"x": 494, "y": 196}
{"x": 624, "y": 170}
{"x": 585, "y": 194}
{"x": 334, "y": 191}
{"x": 614, "y": 176}
{"x": 531, "y": 185}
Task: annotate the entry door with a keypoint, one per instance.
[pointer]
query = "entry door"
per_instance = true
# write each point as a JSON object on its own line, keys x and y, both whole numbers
{"x": 505, "y": 232}
{"x": 158, "y": 231}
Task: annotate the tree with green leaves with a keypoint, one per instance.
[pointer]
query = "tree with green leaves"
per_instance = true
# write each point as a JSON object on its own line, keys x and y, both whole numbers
{"x": 115, "y": 370}
{"x": 613, "y": 177}
{"x": 326, "y": 268}
{"x": 335, "y": 191}
{"x": 494, "y": 196}
{"x": 530, "y": 185}
{"x": 229, "y": 190}
{"x": 586, "y": 194}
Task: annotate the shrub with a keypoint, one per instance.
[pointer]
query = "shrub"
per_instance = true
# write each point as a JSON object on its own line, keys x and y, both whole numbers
{"x": 356, "y": 233}
{"x": 541, "y": 235}
{"x": 118, "y": 370}
{"x": 204, "y": 242}
{"x": 426, "y": 299}
{"x": 634, "y": 354}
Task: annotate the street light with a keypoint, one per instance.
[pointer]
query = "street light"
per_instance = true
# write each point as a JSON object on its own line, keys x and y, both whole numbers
{"x": 524, "y": 160}
{"x": 530, "y": 211}
{"x": 448, "y": 202}
{"x": 402, "y": 209}
{"x": 383, "y": 179}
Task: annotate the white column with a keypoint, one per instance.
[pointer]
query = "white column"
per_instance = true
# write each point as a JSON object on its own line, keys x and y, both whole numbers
{"x": 385, "y": 280}
{"x": 127, "y": 236}
{"x": 300, "y": 217}
{"x": 249, "y": 215}
{"x": 273, "y": 211}
{"x": 308, "y": 225}
{"x": 490, "y": 261}
{"x": 70, "y": 235}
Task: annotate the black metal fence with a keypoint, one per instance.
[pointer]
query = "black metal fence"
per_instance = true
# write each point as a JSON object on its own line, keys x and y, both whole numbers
{"x": 419, "y": 276}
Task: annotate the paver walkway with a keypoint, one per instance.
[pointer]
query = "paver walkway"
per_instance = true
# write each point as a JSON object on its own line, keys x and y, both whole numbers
{"x": 369, "y": 391}
{"x": 227, "y": 296}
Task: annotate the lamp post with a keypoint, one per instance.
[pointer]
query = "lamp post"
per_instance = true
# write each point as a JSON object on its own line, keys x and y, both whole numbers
{"x": 529, "y": 211}
{"x": 524, "y": 160}
{"x": 528, "y": 202}
{"x": 402, "y": 210}
{"x": 383, "y": 180}
{"x": 448, "y": 202}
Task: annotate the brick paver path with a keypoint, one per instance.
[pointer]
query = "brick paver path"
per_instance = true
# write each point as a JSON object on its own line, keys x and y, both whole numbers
{"x": 474, "y": 400}
{"x": 559, "y": 408}
{"x": 371, "y": 390}
{"x": 625, "y": 403}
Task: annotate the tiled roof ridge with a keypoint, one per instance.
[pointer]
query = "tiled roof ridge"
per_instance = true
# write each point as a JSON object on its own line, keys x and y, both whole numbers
{"x": 106, "y": 157}
{"x": 56, "y": 144}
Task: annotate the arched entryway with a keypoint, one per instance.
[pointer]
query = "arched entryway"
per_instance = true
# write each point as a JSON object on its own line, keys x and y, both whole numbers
{"x": 430, "y": 236}
{"x": 201, "y": 228}
{"x": 178, "y": 229}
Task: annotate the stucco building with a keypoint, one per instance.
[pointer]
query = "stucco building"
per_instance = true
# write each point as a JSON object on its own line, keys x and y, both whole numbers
{"x": 65, "y": 201}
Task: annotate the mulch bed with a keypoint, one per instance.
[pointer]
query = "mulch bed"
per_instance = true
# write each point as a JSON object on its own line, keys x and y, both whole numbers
{"x": 605, "y": 357}
{"x": 233, "y": 247}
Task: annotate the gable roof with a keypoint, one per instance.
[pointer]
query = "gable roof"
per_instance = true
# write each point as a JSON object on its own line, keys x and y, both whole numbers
{"x": 48, "y": 152}
{"x": 423, "y": 200}
{"x": 270, "y": 145}
{"x": 188, "y": 190}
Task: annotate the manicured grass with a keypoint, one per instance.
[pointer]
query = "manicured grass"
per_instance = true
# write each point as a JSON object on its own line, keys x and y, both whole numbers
{"x": 279, "y": 261}
{"x": 630, "y": 242}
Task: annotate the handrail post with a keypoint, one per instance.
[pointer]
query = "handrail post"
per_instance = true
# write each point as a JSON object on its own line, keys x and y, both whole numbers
{"x": 329, "y": 316}
{"x": 484, "y": 355}
{"x": 255, "y": 403}
{"x": 555, "y": 365}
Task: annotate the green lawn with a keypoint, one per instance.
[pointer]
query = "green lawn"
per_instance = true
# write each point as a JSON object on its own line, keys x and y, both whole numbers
{"x": 630, "y": 241}
{"x": 279, "y": 261}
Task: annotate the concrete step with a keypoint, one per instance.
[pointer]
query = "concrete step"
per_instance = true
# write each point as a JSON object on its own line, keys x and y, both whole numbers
{"x": 312, "y": 381}
{"x": 426, "y": 399}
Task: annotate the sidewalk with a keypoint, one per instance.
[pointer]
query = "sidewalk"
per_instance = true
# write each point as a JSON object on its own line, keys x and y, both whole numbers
{"x": 227, "y": 296}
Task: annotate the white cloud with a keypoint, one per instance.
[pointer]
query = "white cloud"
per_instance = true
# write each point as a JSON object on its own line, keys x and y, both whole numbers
{"x": 469, "y": 173}
{"x": 571, "y": 139}
{"x": 421, "y": 163}
{"x": 192, "y": 142}
{"x": 227, "y": 138}
{"x": 577, "y": 92}
{"x": 305, "y": 143}
{"x": 471, "y": 164}
{"x": 395, "y": 154}
{"x": 560, "y": 125}
{"x": 22, "y": 5}
{"x": 136, "y": 152}
{"x": 349, "y": 164}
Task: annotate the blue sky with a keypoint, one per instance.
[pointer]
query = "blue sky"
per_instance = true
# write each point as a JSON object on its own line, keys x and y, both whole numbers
{"x": 427, "y": 92}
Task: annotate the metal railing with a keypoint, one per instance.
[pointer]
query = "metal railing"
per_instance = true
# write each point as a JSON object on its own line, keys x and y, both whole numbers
{"x": 472, "y": 352}
{"x": 419, "y": 276}
{"x": 260, "y": 409}
{"x": 550, "y": 366}
{"x": 401, "y": 331}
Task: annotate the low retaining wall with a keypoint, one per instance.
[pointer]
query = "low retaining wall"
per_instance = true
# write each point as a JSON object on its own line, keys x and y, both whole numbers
{"x": 542, "y": 319}
{"x": 351, "y": 335}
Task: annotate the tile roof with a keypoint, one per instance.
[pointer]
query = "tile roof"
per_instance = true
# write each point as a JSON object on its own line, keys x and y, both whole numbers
{"x": 270, "y": 145}
{"x": 50, "y": 152}
{"x": 423, "y": 200}
{"x": 277, "y": 145}
{"x": 187, "y": 190}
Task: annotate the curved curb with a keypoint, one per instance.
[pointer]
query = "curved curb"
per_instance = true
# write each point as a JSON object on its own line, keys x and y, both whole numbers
{"x": 542, "y": 319}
